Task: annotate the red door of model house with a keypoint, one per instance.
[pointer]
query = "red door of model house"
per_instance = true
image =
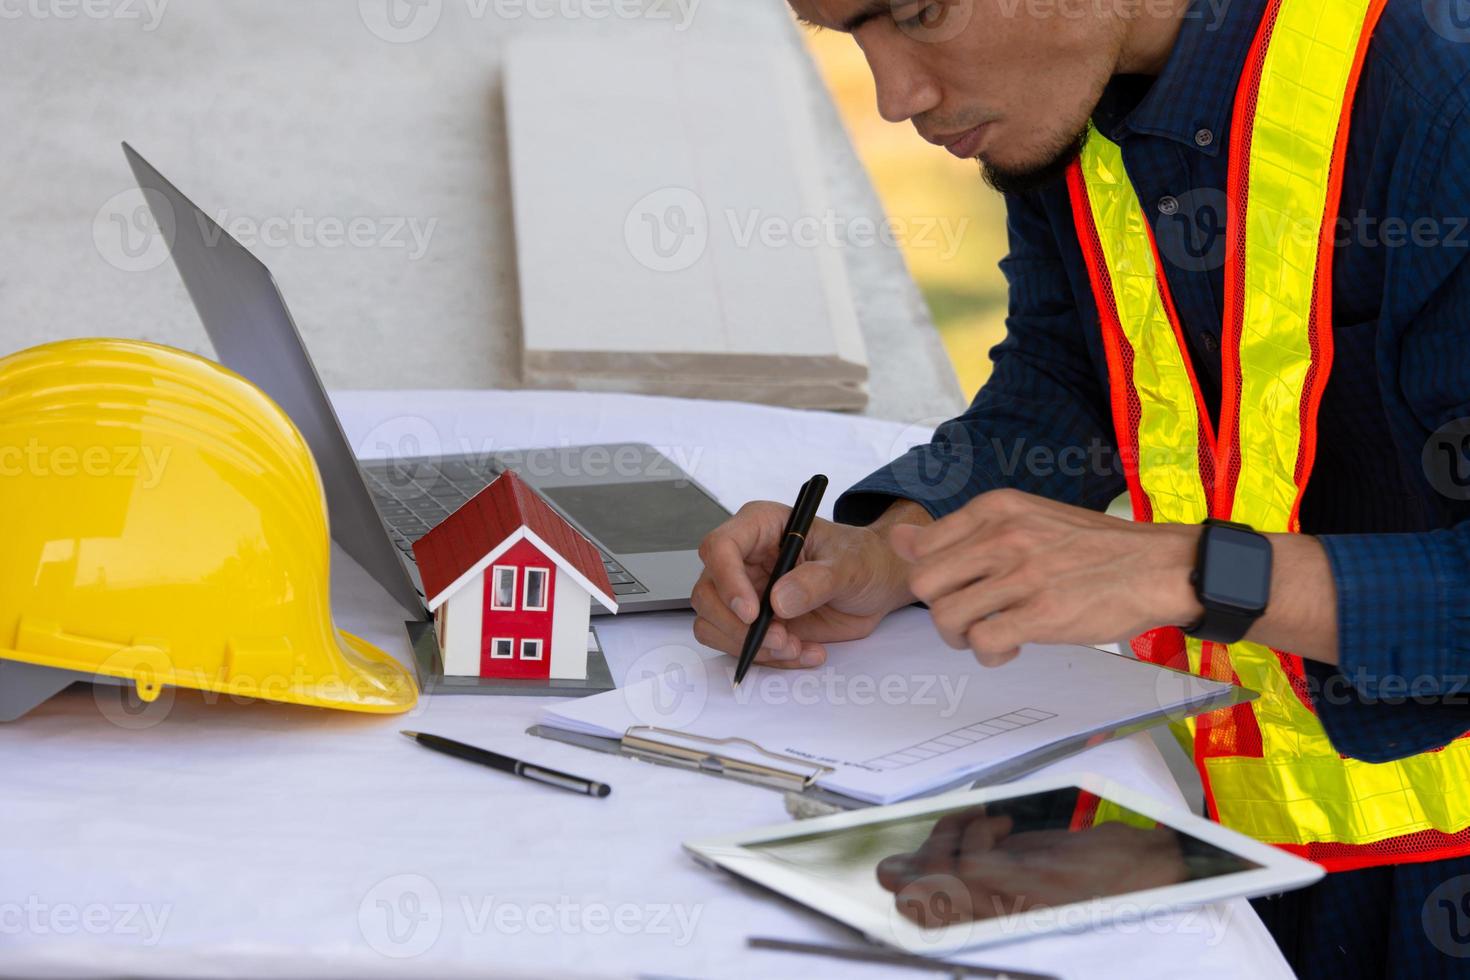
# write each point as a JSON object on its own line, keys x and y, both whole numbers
{"x": 516, "y": 628}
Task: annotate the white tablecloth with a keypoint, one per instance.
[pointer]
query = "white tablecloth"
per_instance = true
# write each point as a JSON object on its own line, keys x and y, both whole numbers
{"x": 212, "y": 838}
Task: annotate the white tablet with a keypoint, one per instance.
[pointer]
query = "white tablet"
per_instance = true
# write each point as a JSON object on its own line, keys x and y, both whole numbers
{"x": 1010, "y": 862}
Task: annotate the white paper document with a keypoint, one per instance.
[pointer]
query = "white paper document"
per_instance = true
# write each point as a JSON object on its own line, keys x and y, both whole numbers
{"x": 889, "y": 717}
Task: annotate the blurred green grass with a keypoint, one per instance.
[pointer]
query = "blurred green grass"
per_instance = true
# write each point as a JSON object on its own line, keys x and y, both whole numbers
{"x": 922, "y": 187}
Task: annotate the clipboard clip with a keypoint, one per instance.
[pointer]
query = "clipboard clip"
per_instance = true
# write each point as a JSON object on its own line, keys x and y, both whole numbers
{"x": 693, "y": 758}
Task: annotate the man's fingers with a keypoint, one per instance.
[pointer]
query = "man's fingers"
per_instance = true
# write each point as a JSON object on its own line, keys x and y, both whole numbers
{"x": 997, "y": 640}
{"x": 937, "y": 853}
{"x": 977, "y": 843}
{"x": 895, "y": 872}
{"x": 725, "y": 562}
{"x": 810, "y": 585}
{"x": 955, "y": 612}
{"x": 707, "y": 634}
{"x": 728, "y": 549}
{"x": 726, "y": 631}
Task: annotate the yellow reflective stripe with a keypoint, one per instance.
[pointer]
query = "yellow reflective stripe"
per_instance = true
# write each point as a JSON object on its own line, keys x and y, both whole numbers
{"x": 1303, "y": 79}
{"x": 1168, "y": 432}
{"x": 1324, "y": 798}
{"x": 1110, "y": 812}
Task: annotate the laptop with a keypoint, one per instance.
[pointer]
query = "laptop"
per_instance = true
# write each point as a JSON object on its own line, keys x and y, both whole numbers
{"x": 645, "y": 514}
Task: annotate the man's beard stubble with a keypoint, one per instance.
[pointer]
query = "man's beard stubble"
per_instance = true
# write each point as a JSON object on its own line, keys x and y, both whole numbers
{"x": 1023, "y": 180}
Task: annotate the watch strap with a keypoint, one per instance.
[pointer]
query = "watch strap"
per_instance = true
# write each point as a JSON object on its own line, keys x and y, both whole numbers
{"x": 1221, "y": 626}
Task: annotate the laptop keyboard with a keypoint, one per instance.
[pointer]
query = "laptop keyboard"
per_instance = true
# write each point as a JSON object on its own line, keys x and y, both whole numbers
{"x": 414, "y": 495}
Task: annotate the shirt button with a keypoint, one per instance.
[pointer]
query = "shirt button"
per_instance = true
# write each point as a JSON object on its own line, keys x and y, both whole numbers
{"x": 1210, "y": 341}
{"x": 1204, "y": 138}
{"x": 1168, "y": 205}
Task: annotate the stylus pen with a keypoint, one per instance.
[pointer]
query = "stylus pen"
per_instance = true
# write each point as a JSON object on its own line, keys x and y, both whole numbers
{"x": 515, "y": 767}
{"x": 793, "y": 539}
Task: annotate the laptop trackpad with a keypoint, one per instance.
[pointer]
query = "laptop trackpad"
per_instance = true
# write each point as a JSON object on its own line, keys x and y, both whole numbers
{"x": 641, "y": 517}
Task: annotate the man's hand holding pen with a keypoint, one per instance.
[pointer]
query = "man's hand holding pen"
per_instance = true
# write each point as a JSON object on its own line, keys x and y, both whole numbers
{"x": 848, "y": 579}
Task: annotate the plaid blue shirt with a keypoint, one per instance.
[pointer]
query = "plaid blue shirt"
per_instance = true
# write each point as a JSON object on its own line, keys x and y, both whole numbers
{"x": 1390, "y": 494}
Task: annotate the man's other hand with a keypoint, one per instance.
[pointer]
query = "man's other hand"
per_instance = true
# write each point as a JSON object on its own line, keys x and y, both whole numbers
{"x": 1010, "y": 568}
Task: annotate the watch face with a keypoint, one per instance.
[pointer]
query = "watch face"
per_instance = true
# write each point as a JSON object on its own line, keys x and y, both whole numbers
{"x": 1237, "y": 569}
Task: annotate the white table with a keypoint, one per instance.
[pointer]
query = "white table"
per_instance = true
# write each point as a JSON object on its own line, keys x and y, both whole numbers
{"x": 224, "y": 839}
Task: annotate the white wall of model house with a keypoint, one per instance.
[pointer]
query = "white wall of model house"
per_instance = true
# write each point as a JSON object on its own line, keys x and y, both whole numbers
{"x": 461, "y": 628}
{"x": 569, "y": 628}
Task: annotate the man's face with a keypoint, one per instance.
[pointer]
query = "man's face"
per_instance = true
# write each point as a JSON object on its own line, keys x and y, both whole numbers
{"x": 1011, "y": 83}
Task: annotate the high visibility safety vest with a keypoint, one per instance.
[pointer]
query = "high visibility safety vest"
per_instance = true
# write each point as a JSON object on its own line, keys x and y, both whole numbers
{"x": 1268, "y": 767}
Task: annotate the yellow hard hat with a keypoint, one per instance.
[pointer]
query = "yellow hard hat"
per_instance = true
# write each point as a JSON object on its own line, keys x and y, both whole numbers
{"x": 162, "y": 522}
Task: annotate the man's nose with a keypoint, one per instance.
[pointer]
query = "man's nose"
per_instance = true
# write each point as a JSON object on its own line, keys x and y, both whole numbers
{"x": 905, "y": 88}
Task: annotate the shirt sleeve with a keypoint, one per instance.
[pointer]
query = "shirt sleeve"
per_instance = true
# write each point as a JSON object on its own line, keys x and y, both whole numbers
{"x": 1402, "y": 684}
{"x": 1041, "y": 422}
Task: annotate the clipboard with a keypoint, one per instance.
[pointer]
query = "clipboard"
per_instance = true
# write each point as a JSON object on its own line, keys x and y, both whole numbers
{"x": 798, "y": 777}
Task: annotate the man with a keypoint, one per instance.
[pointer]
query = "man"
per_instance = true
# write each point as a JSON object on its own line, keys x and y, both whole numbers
{"x": 1239, "y": 290}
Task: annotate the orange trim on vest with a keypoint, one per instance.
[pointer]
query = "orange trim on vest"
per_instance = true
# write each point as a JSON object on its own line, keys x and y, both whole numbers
{"x": 1418, "y": 848}
{"x": 1126, "y": 410}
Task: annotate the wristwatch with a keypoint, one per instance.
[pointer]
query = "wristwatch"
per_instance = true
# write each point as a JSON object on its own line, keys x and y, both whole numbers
{"x": 1232, "y": 579}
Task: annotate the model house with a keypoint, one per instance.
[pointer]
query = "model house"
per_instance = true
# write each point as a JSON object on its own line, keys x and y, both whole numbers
{"x": 510, "y": 584}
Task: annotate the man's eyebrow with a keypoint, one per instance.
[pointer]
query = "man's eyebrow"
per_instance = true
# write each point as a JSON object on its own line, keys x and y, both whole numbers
{"x": 874, "y": 8}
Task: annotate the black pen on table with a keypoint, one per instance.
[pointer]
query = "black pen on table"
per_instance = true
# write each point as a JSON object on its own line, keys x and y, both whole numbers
{"x": 526, "y": 770}
{"x": 793, "y": 539}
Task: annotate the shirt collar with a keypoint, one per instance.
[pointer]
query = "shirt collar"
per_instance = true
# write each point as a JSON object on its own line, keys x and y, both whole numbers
{"x": 1195, "y": 92}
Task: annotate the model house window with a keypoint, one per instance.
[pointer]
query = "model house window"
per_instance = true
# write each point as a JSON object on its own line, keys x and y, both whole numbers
{"x": 535, "y": 589}
{"x": 504, "y": 596}
{"x": 502, "y": 648}
{"x": 530, "y": 649}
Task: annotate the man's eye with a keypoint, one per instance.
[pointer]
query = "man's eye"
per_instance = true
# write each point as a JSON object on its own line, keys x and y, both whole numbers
{"x": 927, "y": 15}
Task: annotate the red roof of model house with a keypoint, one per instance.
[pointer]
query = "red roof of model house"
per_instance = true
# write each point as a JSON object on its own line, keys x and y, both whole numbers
{"x": 465, "y": 543}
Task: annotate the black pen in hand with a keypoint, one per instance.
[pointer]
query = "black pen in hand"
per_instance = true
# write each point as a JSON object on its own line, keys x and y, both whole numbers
{"x": 793, "y": 539}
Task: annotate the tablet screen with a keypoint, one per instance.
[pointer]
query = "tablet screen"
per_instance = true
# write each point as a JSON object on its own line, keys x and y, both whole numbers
{"x": 1003, "y": 858}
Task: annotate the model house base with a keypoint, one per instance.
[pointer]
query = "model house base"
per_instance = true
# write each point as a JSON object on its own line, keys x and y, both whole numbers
{"x": 429, "y": 666}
